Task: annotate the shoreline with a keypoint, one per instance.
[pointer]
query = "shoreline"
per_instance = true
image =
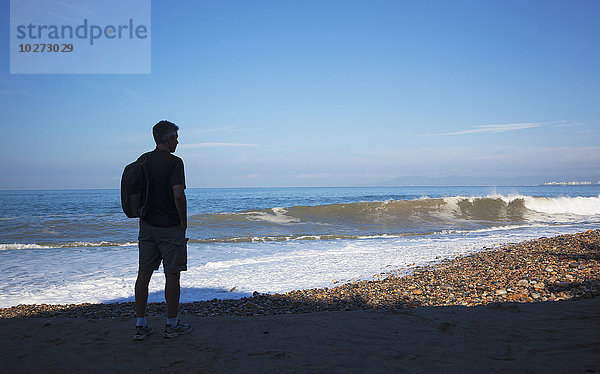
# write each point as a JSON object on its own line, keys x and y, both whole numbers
{"x": 405, "y": 324}
{"x": 565, "y": 267}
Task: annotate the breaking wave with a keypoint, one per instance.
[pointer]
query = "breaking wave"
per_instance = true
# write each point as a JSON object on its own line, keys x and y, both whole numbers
{"x": 358, "y": 220}
{"x": 584, "y": 206}
{"x": 489, "y": 208}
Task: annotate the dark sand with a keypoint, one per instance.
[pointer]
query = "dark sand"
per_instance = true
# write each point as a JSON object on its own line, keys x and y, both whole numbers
{"x": 550, "y": 337}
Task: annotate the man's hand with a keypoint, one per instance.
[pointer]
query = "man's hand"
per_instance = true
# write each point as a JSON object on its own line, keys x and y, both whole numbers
{"x": 181, "y": 204}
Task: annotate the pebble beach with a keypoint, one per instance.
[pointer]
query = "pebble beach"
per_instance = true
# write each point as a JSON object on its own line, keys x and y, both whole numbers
{"x": 565, "y": 267}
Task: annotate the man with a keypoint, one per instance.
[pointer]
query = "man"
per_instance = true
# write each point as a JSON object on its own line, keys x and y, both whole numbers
{"x": 162, "y": 231}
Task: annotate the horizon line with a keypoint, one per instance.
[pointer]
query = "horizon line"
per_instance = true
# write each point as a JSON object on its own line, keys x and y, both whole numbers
{"x": 545, "y": 184}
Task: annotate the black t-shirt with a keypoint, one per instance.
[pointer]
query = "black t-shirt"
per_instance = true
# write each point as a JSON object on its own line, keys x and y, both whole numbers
{"x": 164, "y": 171}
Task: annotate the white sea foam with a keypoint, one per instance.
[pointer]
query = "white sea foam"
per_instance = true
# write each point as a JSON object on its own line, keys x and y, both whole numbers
{"x": 107, "y": 274}
{"x": 9, "y": 246}
{"x": 278, "y": 215}
{"x": 6, "y": 247}
{"x": 584, "y": 206}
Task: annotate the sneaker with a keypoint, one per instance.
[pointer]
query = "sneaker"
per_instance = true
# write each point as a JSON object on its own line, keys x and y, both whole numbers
{"x": 142, "y": 333}
{"x": 179, "y": 329}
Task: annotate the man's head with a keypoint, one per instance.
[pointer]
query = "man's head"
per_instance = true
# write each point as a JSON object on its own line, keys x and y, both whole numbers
{"x": 165, "y": 133}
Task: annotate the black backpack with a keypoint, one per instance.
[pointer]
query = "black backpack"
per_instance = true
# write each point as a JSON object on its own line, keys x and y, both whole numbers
{"x": 134, "y": 188}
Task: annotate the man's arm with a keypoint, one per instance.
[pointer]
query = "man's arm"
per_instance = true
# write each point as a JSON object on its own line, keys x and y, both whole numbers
{"x": 181, "y": 204}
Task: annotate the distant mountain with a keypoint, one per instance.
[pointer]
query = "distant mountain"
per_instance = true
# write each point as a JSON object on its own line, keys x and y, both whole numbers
{"x": 464, "y": 181}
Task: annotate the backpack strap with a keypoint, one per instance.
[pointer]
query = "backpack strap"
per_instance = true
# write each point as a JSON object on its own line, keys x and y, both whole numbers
{"x": 143, "y": 160}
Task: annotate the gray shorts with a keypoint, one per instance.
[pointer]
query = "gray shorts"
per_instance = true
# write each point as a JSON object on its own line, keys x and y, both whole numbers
{"x": 166, "y": 244}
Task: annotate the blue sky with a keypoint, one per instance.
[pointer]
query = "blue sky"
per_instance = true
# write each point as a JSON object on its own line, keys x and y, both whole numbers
{"x": 324, "y": 93}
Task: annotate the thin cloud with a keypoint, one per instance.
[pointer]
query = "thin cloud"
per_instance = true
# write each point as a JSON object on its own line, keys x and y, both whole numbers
{"x": 214, "y": 145}
{"x": 128, "y": 91}
{"x": 494, "y": 129}
{"x": 222, "y": 129}
{"x": 567, "y": 124}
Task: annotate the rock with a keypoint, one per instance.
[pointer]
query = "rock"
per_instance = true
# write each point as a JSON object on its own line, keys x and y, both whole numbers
{"x": 523, "y": 283}
{"x": 249, "y": 305}
{"x": 500, "y": 292}
{"x": 517, "y": 296}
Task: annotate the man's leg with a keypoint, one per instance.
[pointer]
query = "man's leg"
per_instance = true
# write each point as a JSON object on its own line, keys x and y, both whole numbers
{"x": 174, "y": 254}
{"x": 141, "y": 293}
{"x": 172, "y": 291}
{"x": 142, "y": 329}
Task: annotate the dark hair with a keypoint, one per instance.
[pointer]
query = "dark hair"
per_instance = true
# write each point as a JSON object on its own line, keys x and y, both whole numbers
{"x": 163, "y": 130}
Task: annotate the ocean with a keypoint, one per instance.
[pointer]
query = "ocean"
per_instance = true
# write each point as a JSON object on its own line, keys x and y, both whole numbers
{"x": 77, "y": 246}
